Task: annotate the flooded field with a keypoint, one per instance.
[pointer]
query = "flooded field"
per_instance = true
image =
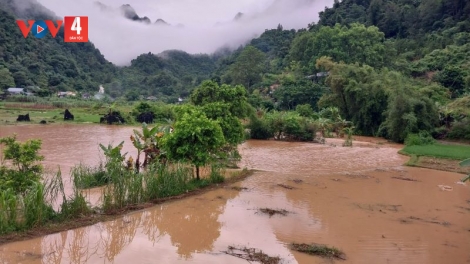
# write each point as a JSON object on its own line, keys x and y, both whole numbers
{"x": 360, "y": 200}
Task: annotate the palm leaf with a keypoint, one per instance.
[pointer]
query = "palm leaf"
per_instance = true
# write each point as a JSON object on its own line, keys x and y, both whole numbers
{"x": 465, "y": 163}
{"x": 467, "y": 178}
{"x": 153, "y": 131}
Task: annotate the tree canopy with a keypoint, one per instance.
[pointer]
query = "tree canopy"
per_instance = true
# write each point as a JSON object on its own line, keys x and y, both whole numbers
{"x": 196, "y": 139}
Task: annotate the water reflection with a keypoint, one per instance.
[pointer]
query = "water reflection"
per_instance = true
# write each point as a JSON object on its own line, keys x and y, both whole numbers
{"x": 194, "y": 227}
{"x": 188, "y": 227}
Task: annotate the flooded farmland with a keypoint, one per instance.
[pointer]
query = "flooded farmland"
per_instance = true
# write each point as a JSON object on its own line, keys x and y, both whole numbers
{"x": 360, "y": 200}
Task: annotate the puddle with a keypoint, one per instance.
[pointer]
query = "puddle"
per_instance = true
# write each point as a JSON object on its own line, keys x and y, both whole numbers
{"x": 346, "y": 198}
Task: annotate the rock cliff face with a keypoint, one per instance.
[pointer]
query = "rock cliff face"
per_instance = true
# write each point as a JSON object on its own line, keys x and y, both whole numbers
{"x": 238, "y": 16}
{"x": 161, "y": 22}
{"x": 129, "y": 12}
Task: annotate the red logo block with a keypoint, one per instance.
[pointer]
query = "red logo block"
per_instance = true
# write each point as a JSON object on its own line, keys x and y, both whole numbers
{"x": 76, "y": 29}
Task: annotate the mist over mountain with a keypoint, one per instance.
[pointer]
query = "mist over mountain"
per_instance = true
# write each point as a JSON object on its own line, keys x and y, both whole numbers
{"x": 121, "y": 40}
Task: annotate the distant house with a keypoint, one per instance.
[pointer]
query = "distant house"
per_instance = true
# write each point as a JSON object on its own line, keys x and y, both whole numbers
{"x": 86, "y": 96}
{"x": 180, "y": 99}
{"x": 16, "y": 91}
{"x": 151, "y": 98}
{"x": 65, "y": 94}
{"x": 317, "y": 76}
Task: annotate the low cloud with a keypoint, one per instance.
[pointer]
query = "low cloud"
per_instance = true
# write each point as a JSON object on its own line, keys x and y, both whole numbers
{"x": 208, "y": 24}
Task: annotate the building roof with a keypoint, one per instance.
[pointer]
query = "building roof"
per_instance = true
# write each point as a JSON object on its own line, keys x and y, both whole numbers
{"x": 16, "y": 90}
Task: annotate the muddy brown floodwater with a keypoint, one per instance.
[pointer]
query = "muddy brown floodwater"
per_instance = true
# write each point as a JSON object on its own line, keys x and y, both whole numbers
{"x": 360, "y": 200}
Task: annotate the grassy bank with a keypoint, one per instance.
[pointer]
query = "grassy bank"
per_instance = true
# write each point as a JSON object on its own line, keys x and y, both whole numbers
{"x": 438, "y": 156}
{"x": 94, "y": 217}
{"x": 454, "y": 152}
{"x": 53, "y": 112}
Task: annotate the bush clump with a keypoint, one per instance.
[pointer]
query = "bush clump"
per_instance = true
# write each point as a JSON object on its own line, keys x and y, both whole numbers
{"x": 422, "y": 138}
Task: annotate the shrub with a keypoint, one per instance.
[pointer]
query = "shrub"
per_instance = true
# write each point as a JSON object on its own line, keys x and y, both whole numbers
{"x": 422, "y": 138}
{"x": 460, "y": 130}
{"x": 304, "y": 110}
{"x": 25, "y": 170}
{"x": 87, "y": 177}
{"x": 259, "y": 128}
{"x": 305, "y": 130}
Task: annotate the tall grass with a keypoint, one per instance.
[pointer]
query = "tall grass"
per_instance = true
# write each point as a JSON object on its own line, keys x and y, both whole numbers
{"x": 87, "y": 177}
{"x": 35, "y": 207}
{"x": 123, "y": 188}
{"x": 128, "y": 188}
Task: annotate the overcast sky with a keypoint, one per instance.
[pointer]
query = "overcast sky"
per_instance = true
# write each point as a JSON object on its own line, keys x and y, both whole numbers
{"x": 121, "y": 40}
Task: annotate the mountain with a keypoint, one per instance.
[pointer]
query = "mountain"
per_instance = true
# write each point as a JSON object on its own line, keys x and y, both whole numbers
{"x": 161, "y": 22}
{"x": 238, "y": 16}
{"x": 48, "y": 63}
{"x": 129, "y": 13}
{"x": 169, "y": 75}
{"x": 53, "y": 65}
{"x": 26, "y": 9}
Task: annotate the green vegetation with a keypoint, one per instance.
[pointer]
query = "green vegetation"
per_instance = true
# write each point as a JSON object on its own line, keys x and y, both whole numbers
{"x": 26, "y": 197}
{"x": 291, "y": 125}
{"x": 252, "y": 255}
{"x": 465, "y": 163}
{"x": 24, "y": 171}
{"x": 386, "y": 71}
{"x": 25, "y": 201}
{"x": 319, "y": 250}
{"x": 457, "y": 152}
{"x": 423, "y": 138}
{"x": 196, "y": 138}
{"x": 85, "y": 177}
{"x": 422, "y": 144}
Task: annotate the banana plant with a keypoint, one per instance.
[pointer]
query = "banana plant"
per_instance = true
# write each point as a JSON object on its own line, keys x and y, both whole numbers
{"x": 135, "y": 139}
{"x": 349, "y": 132}
{"x": 465, "y": 163}
{"x": 340, "y": 125}
{"x": 113, "y": 155}
{"x": 148, "y": 141}
{"x": 324, "y": 124}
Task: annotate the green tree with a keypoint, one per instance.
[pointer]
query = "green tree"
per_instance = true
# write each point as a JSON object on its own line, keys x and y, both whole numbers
{"x": 348, "y": 44}
{"x": 195, "y": 139}
{"x": 211, "y": 92}
{"x": 25, "y": 169}
{"x": 248, "y": 67}
{"x": 132, "y": 95}
{"x": 6, "y": 79}
{"x": 231, "y": 125}
{"x": 296, "y": 92}
{"x": 452, "y": 77}
{"x": 408, "y": 113}
{"x": 304, "y": 110}
{"x": 359, "y": 92}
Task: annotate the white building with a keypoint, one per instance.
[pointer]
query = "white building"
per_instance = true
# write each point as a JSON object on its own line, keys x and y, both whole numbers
{"x": 16, "y": 91}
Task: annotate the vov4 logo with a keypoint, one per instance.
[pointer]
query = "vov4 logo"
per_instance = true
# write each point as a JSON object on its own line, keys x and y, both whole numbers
{"x": 75, "y": 28}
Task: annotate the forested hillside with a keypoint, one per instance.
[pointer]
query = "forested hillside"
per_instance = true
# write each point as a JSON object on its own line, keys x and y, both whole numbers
{"x": 47, "y": 63}
{"x": 53, "y": 65}
{"x": 168, "y": 75}
{"x": 394, "y": 67}
{"x": 391, "y": 67}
